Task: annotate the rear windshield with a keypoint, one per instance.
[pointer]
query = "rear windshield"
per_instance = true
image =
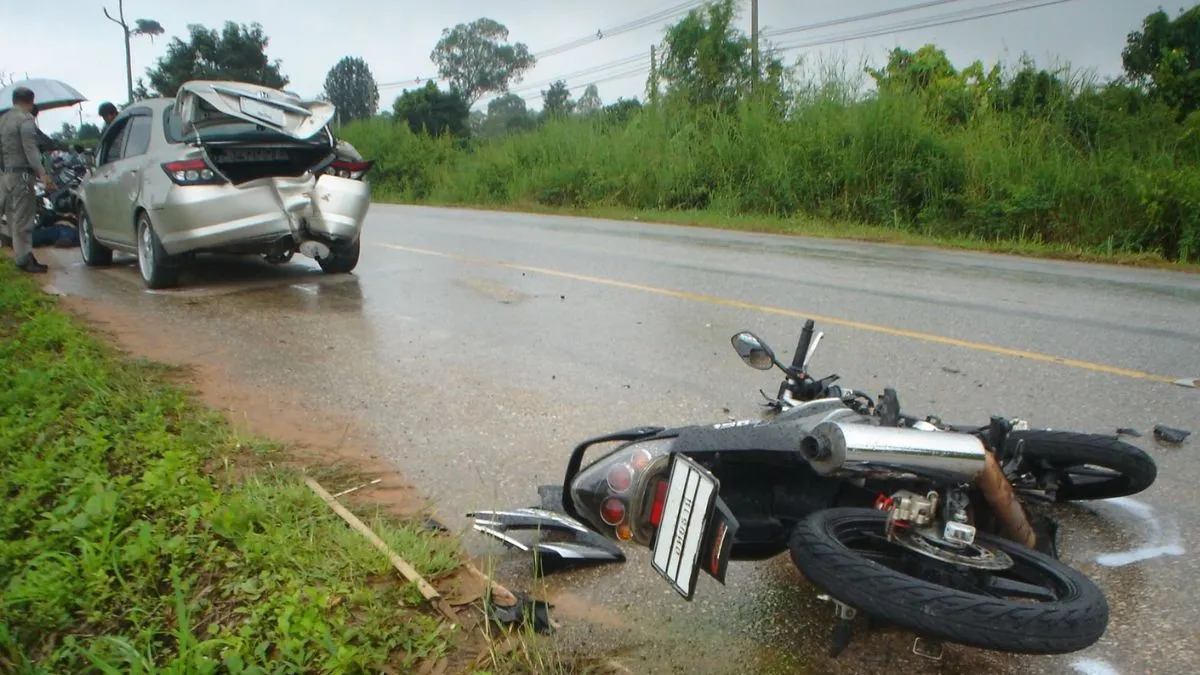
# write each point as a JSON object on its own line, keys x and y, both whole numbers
{"x": 234, "y": 130}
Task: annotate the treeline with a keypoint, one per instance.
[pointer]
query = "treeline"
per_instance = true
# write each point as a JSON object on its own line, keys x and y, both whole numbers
{"x": 1018, "y": 154}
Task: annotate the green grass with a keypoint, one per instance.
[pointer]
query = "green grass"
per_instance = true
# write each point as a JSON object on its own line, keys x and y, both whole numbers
{"x": 136, "y": 536}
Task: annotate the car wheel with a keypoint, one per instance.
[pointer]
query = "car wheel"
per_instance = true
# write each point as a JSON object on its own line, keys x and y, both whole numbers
{"x": 94, "y": 253}
{"x": 158, "y": 270}
{"x": 341, "y": 261}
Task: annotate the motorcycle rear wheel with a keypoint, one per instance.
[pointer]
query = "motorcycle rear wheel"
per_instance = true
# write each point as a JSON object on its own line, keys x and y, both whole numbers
{"x": 845, "y": 552}
{"x": 1090, "y": 466}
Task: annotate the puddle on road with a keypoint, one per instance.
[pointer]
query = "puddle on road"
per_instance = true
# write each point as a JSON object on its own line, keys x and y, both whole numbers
{"x": 1162, "y": 534}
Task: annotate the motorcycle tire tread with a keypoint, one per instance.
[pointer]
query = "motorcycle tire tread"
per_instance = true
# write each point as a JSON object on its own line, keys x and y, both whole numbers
{"x": 948, "y": 614}
{"x": 1137, "y": 468}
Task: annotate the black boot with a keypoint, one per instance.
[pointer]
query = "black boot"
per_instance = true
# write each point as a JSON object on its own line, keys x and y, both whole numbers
{"x": 32, "y": 266}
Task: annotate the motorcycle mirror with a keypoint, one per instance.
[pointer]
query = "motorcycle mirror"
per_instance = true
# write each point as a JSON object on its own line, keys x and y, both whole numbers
{"x": 754, "y": 352}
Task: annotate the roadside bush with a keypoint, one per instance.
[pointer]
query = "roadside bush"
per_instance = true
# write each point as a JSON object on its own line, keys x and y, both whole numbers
{"x": 1039, "y": 158}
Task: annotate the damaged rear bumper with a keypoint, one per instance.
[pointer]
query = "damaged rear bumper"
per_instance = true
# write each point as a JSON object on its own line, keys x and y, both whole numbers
{"x": 328, "y": 209}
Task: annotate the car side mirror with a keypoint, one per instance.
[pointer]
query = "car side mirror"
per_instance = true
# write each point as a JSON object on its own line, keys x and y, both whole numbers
{"x": 754, "y": 352}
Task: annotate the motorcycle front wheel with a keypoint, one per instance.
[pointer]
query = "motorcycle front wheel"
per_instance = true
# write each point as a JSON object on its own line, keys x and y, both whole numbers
{"x": 1037, "y": 606}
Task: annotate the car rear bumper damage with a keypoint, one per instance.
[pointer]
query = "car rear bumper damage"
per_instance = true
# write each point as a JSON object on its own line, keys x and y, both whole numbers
{"x": 328, "y": 209}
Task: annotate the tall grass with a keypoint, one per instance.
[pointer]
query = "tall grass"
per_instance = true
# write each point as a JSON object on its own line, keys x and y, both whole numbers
{"x": 1085, "y": 167}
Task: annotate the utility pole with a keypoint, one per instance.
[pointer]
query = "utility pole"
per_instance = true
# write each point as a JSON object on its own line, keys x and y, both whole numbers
{"x": 753, "y": 43}
{"x": 120, "y": 21}
{"x": 653, "y": 77}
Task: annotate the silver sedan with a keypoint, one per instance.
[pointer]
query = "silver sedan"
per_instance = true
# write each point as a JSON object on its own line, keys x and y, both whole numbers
{"x": 225, "y": 167}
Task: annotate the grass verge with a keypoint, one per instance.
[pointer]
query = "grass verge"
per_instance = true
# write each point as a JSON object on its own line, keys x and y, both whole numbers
{"x": 136, "y": 536}
{"x": 822, "y": 229}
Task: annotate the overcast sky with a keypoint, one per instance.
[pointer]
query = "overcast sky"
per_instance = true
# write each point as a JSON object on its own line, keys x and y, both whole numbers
{"x": 72, "y": 41}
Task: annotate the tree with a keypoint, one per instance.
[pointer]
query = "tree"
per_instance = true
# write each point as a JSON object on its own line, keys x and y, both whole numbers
{"x": 590, "y": 102}
{"x": 475, "y": 60}
{"x": 237, "y": 52}
{"x": 67, "y": 133}
{"x": 706, "y": 59}
{"x": 623, "y": 110}
{"x": 88, "y": 132}
{"x": 505, "y": 115}
{"x": 433, "y": 111}
{"x": 351, "y": 87}
{"x": 556, "y": 101}
{"x": 1164, "y": 58}
{"x": 148, "y": 27}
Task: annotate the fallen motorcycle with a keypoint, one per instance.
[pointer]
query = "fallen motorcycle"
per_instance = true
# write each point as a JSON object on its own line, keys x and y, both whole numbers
{"x": 917, "y": 529}
{"x": 1060, "y": 465}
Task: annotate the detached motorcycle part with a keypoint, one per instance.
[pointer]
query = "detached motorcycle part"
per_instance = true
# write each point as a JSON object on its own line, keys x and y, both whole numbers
{"x": 587, "y": 548}
{"x": 845, "y": 553}
{"x": 1086, "y": 466}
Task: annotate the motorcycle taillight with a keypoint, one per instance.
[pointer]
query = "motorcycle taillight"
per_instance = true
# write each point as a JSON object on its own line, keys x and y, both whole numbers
{"x": 619, "y": 494}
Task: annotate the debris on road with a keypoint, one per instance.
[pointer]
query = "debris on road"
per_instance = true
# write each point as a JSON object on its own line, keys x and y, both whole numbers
{"x": 525, "y": 612}
{"x": 1126, "y": 431}
{"x": 1191, "y": 382}
{"x": 583, "y": 548}
{"x": 402, "y": 566}
{"x": 356, "y": 488}
{"x": 1170, "y": 435}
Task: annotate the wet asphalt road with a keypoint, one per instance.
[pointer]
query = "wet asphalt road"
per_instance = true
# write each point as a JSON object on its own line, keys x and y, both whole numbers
{"x": 479, "y": 347}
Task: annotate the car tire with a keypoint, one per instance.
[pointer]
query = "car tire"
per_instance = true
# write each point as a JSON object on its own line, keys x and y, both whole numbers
{"x": 158, "y": 270}
{"x": 341, "y": 261}
{"x": 94, "y": 253}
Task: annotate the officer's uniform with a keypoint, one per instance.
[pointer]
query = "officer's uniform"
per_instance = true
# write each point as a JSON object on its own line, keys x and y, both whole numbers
{"x": 19, "y": 156}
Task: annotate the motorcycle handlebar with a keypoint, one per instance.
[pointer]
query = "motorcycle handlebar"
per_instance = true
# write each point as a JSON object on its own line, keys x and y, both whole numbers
{"x": 802, "y": 346}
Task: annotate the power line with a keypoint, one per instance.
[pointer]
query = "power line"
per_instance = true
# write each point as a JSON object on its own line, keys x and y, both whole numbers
{"x": 619, "y": 29}
{"x": 945, "y": 19}
{"x": 668, "y": 13}
{"x": 856, "y": 18}
{"x": 929, "y": 22}
{"x": 627, "y": 61}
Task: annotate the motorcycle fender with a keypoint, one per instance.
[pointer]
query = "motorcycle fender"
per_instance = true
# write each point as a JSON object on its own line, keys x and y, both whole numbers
{"x": 718, "y": 541}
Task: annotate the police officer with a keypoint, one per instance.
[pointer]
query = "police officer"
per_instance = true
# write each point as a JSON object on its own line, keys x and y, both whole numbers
{"x": 21, "y": 162}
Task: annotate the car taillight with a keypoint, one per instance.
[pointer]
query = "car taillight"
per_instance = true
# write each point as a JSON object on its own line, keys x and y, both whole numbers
{"x": 191, "y": 172}
{"x": 347, "y": 169}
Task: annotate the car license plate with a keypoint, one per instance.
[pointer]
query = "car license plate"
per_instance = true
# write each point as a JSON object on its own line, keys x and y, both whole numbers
{"x": 262, "y": 111}
{"x": 691, "y": 500}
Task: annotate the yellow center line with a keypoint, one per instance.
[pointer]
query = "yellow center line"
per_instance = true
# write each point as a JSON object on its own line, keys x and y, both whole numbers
{"x": 767, "y": 309}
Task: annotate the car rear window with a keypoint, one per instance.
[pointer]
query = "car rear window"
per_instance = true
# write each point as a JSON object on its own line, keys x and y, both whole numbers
{"x": 234, "y": 130}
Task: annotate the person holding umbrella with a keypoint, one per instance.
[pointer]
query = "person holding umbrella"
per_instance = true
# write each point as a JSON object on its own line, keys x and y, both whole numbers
{"x": 20, "y": 161}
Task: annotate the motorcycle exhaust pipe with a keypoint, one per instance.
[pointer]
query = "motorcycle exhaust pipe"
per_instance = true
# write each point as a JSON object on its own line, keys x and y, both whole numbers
{"x": 835, "y": 448}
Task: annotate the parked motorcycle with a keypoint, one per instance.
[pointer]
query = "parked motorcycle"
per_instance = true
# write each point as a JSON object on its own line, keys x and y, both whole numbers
{"x": 1060, "y": 465}
{"x": 912, "y": 523}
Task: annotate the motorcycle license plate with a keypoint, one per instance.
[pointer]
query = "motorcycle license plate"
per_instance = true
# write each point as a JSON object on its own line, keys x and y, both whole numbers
{"x": 681, "y": 538}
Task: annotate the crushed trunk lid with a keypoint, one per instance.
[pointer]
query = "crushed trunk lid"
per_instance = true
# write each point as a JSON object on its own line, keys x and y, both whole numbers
{"x": 207, "y": 103}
